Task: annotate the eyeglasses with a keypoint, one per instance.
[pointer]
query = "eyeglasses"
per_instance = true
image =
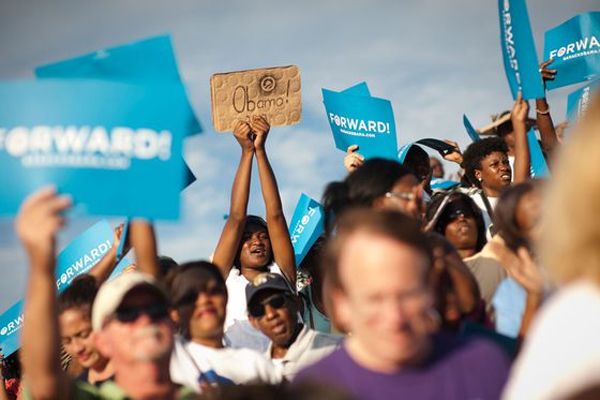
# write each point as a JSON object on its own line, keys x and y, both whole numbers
{"x": 257, "y": 310}
{"x": 155, "y": 312}
{"x": 407, "y": 196}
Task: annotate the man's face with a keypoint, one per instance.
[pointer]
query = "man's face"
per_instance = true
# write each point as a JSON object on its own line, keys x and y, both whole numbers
{"x": 201, "y": 305}
{"x": 278, "y": 320}
{"x": 139, "y": 331}
{"x": 385, "y": 301}
{"x": 77, "y": 337}
{"x": 256, "y": 247}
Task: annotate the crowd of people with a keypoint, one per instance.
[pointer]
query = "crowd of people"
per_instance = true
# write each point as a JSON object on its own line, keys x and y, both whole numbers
{"x": 487, "y": 289}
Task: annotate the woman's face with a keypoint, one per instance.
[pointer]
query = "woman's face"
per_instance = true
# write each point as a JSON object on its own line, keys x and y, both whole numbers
{"x": 256, "y": 247}
{"x": 528, "y": 213}
{"x": 462, "y": 231}
{"x": 495, "y": 173}
{"x": 405, "y": 196}
{"x": 77, "y": 338}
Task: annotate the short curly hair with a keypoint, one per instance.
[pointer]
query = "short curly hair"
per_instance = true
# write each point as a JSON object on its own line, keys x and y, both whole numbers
{"x": 479, "y": 150}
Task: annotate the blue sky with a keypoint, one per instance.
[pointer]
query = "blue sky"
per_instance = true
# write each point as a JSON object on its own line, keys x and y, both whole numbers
{"x": 434, "y": 59}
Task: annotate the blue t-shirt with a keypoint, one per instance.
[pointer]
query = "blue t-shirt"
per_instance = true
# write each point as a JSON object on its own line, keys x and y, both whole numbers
{"x": 509, "y": 306}
{"x": 458, "y": 369}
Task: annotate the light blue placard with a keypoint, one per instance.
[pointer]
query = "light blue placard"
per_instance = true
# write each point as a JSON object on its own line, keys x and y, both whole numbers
{"x": 579, "y": 100}
{"x": 470, "y": 130}
{"x": 575, "y": 47}
{"x": 360, "y": 89}
{"x": 362, "y": 120}
{"x": 141, "y": 62}
{"x": 442, "y": 184}
{"x": 123, "y": 240}
{"x": 109, "y": 145}
{"x": 539, "y": 167}
{"x": 306, "y": 226}
{"x": 518, "y": 50}
{"x": 77, "y": 258}
{"x": 121, "y": 266}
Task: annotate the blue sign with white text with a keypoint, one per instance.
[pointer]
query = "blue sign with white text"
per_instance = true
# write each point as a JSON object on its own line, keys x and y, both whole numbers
{"x": 77, "y": 258}
{"x": 362, "y": 120}
{"x": 110, "y": 145}
{"x": 141, "y": 62}
{"x": 574, "y": 46}
{"x": 518, "y": 50}
{"x": 579, "y": 100}
{"x": 306, "y": 226}
{"x": 539, "y": 167}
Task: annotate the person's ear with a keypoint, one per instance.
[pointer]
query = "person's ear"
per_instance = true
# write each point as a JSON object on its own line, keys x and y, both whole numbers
{"x": 379, "y": 203}
{"x": 341, "y": 309}
{"x": 478, "y": 175}
{"x": 174, "y": 314}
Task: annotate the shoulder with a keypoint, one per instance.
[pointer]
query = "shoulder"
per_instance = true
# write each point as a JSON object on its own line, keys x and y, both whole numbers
{"x": 326, "y": 367}
{"x": 320, "y": 339}
{"x": 480, "y": 354}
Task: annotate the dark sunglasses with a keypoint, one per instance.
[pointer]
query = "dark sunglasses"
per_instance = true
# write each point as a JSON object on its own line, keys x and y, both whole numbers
{"x": 257, "y": 310}
{"x": 155, "y": 312}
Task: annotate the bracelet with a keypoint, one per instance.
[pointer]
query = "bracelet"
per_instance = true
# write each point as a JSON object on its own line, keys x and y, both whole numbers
{"x": 545, "y": 112}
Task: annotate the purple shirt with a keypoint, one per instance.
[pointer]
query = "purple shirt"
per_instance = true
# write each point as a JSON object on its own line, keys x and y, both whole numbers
{"x": 458, "y": 369}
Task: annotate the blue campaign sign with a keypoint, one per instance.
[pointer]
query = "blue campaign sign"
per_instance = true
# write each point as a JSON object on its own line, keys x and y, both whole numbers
{"x": 306, "y": 226}
{"x": 142, "y": 62}
{"x": 121, "y": 267}
{"x": 11, "y": 322}
{"x": 77, "y": 258}
{"x": 360, "y": 89}
{"x": 518, "y": 50}
{"x": 575, "y": 47}
{"x": 470, "y": 130}
{"x": 362, "y": 120}
{"x": 579, "y": 100}
{"x": 110, "y": 145}
{"x": 539, "y": 168}
{"x": 442, "y": 184}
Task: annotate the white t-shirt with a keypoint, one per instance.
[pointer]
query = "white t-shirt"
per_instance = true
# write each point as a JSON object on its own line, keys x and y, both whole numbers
{"x": 229, "y": 366}
{"x": 487, "y": 220}
{"x": 239, "y": 333}
{"x": 309, "y": 347}
{"x": 561, "y": 355}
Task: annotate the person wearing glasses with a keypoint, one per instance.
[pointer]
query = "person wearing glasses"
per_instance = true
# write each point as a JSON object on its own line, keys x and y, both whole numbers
{"x": 130, "y": 320}
{"x": 200, "y": 359}
{"x": 379, "y": 184}
{"x": 273, "y": 309}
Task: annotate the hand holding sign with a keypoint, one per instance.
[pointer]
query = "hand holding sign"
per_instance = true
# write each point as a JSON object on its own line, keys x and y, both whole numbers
{"x": 519, "y": 113}
{"x": 353, "y": 159}
{"x": 37, "y": 223}
{"x": 243, "y": 134}
{"x": 547, "y": 74}
{"x": 260, "y": 128}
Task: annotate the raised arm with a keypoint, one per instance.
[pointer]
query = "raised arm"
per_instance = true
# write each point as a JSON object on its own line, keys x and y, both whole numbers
{"x": 283, "y": 252}
{"x": 542, "y": 114}
{"x": 143, "y": 240}
{"x": 37, "y": 224}
{"x": 518, "y": 117}
{"x": 234, "y": 226}
{"x": 102, "y": 270}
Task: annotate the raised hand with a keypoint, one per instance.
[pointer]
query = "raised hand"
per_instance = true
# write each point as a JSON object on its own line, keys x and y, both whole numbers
{"x": 519, "y": 113}
{"x": 456, "y": 156}
{"x": 547, "y": 74}
{"x": 353, "y": 159}
{"x": 244, "y": 135}
{"x": 260, "y": 128}
{"x": 39, "y": 220}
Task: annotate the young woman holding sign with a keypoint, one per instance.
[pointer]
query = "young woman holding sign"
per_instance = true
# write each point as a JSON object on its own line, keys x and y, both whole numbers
{"x": 249, "y": 245}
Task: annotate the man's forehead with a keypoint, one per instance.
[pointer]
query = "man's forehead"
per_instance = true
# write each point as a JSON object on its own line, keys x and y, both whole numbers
{"x": 141, "y": 295}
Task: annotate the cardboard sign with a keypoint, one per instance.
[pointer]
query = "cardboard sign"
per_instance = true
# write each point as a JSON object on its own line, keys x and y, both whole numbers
{"x": 77, "y": 258}
{"x": 145, "y": 61}
{"x": 109, "y": 145}
{"x": 470, "y": 130}
{"x": 306, "y": 226}
{"x": 355, "y": 117}
{"x": 575, "y": 47}
{"x": 274, "y": 92}
{"x": 579, "y": 100}
{"x": 518, "y": 50}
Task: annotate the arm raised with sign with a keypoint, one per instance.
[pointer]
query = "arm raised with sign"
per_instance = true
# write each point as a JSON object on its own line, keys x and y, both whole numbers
{"x": 107, "y": 264}
{"x": 227, "y": 248}
{"x": 283, "y": 252}
{"x": 518, "y": 117}
{"x": 37, "y": 224}
{"x": 143, "y": 240}
{"x": 542, "y": 113}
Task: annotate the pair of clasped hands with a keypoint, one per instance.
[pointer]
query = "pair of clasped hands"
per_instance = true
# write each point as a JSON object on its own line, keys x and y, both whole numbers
{"x": 252, "y": 134}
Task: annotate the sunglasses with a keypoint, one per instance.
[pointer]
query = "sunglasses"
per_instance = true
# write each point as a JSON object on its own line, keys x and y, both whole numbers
{"x": 257, "y": 310}
{"x": 155, "y": 312}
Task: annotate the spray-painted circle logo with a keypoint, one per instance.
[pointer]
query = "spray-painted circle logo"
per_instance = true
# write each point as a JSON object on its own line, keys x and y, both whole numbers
{"x": 267, "y": 83}
{"x": 3, "y": 331}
